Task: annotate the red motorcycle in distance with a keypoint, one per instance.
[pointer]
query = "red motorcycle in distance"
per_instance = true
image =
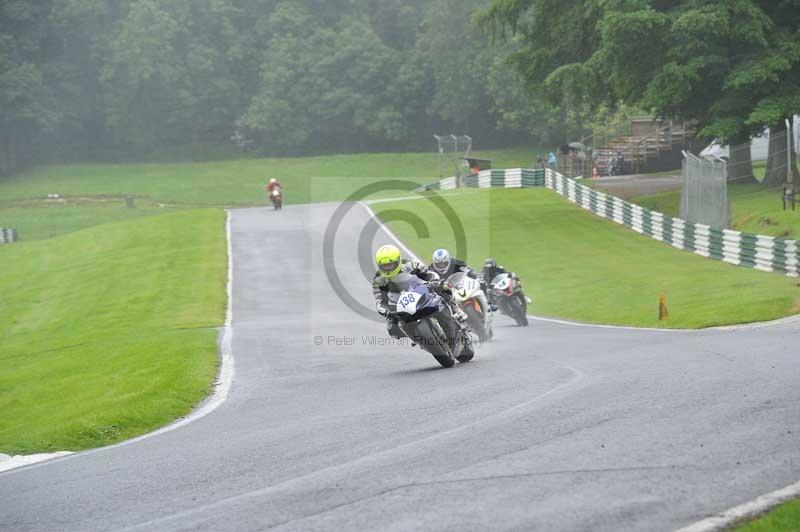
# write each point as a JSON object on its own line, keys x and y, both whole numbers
{"x": 510, "y": 298}
{"x": 276, "y": 197}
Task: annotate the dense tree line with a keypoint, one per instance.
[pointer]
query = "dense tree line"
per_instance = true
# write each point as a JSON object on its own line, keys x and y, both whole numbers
{"x": 732, "y": 67}
{"x": 90, "y": 79}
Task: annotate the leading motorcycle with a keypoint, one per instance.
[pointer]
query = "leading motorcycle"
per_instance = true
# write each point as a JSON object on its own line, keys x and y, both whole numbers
{"x": 469, "y": 296}
{"x": 425, "y": 318}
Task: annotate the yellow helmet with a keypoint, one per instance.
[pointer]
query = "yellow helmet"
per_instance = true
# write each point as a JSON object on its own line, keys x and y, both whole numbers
{"x": 389, "y": 261}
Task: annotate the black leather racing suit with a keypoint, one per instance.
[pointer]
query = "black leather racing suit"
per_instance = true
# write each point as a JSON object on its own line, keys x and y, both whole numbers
{"x": 381, "y": 287}
{"x": 486, "y": 279}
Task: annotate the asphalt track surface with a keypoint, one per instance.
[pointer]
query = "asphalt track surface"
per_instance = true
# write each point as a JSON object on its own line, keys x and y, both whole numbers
{"x": 553, "y": 427}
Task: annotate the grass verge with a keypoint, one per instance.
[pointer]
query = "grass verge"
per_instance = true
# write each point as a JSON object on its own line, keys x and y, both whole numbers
{"x": 109, "y": 332}
{"x": 578, "y": 266}
{"x": 784, "y": 518}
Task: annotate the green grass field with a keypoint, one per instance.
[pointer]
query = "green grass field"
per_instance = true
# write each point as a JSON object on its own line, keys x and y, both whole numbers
{"x": 239, "y": 182}
{"x": 578, "y": 266}
{"x": 785, "y": 518}
{"x": 93, "y": 194}
{"x": 109, "y": 332}
{"x": 754, "y": 209}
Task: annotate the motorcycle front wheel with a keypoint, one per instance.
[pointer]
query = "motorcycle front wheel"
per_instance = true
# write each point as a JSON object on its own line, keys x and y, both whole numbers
{"x": 433, "y": 342}
{"x": 520, "y": 311}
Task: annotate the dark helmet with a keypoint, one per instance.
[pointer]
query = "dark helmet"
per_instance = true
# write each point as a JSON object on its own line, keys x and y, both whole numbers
{"x": 490, "y": 263}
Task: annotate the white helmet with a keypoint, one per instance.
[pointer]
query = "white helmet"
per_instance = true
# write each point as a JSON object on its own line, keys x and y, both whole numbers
{"x": 273, "y": 180}
{"x": 441, "y": 260}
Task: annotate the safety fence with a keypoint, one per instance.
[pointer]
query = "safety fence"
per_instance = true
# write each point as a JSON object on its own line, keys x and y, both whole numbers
{"x": 761, "y": 252}
{"x": 8, "y": 235}
{"x": 513, "y": 178}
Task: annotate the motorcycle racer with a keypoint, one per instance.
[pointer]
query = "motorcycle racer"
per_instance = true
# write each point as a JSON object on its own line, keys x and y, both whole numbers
{"x": 273, "y": 184}
{"x": 490, "y": 270}
{"x": 445, "y": 265}
{"x": 390, "y": 264}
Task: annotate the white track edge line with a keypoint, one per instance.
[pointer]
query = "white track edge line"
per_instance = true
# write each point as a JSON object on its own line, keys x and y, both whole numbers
{"x": 222, "y": 386}
{"x": 389, "y": 232}
{"x": 747, "y": 510}
{"x": 711, "y": 524}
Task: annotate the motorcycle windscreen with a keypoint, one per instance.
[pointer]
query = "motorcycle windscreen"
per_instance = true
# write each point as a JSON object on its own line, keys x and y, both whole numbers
{"x": 499, "y": 277}
{"x": 456, "y": 281}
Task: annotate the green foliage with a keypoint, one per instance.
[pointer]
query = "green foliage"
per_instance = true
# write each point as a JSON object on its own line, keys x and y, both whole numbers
{"x": 730, "y": 66}
{"x": 83, "y": 79}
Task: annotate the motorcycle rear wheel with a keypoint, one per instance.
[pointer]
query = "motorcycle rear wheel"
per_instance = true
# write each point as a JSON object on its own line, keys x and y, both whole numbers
{"x": 476, "y": 322}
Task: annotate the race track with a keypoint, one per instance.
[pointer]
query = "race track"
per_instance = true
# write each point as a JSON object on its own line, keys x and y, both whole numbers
{"x": 553, "y": 427}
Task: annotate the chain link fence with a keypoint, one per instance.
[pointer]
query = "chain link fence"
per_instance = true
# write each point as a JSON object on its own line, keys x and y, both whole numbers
{"x": 704, "y": 192}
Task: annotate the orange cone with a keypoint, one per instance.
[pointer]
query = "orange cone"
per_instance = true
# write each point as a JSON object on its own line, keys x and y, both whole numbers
{"x": 663, "y": 311}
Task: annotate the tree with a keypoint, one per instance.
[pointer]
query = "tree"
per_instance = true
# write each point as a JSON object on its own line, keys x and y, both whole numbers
{"x": 28, "y": 106}
{"x": 718, "y": 64}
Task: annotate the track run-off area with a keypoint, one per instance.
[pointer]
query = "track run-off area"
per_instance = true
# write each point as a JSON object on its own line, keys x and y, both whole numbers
{"x": 329, "y": 426}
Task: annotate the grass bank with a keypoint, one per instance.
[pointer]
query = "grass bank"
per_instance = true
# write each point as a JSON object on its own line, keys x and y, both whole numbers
{"x": 109, "y": 332}
{"x": 581, "y": 267}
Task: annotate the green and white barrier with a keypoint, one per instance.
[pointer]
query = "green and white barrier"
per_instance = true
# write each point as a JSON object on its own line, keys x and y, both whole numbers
{"x": 8, "y": 236}
{"x": 742, "y": 249}
{"x": 513, "y": 178}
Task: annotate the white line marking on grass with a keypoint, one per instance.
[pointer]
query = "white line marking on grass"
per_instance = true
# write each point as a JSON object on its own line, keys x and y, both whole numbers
{"x": 222, "y": 387}
{"x": 747, "y": 510}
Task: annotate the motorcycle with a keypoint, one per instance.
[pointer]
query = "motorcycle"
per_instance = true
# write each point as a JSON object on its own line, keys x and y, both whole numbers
{"x": 469, "y": 296}
{"x": 616, "y": 165}
{"x": 510, "y": 298}
{"x": 276, "y": 196}
{"x": 425, "y": 318}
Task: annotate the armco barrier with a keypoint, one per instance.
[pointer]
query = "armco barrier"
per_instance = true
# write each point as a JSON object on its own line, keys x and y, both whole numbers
{"x": 742, "y": 249}
{"x": 8, "y": 235}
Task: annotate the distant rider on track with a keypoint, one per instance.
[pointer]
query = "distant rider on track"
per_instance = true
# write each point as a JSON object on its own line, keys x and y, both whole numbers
{"x": 272, "y": 185}
{"x": 390, "y": 264}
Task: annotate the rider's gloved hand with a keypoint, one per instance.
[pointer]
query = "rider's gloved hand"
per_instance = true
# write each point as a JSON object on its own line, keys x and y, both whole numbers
{"x": 383, "y": 311}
